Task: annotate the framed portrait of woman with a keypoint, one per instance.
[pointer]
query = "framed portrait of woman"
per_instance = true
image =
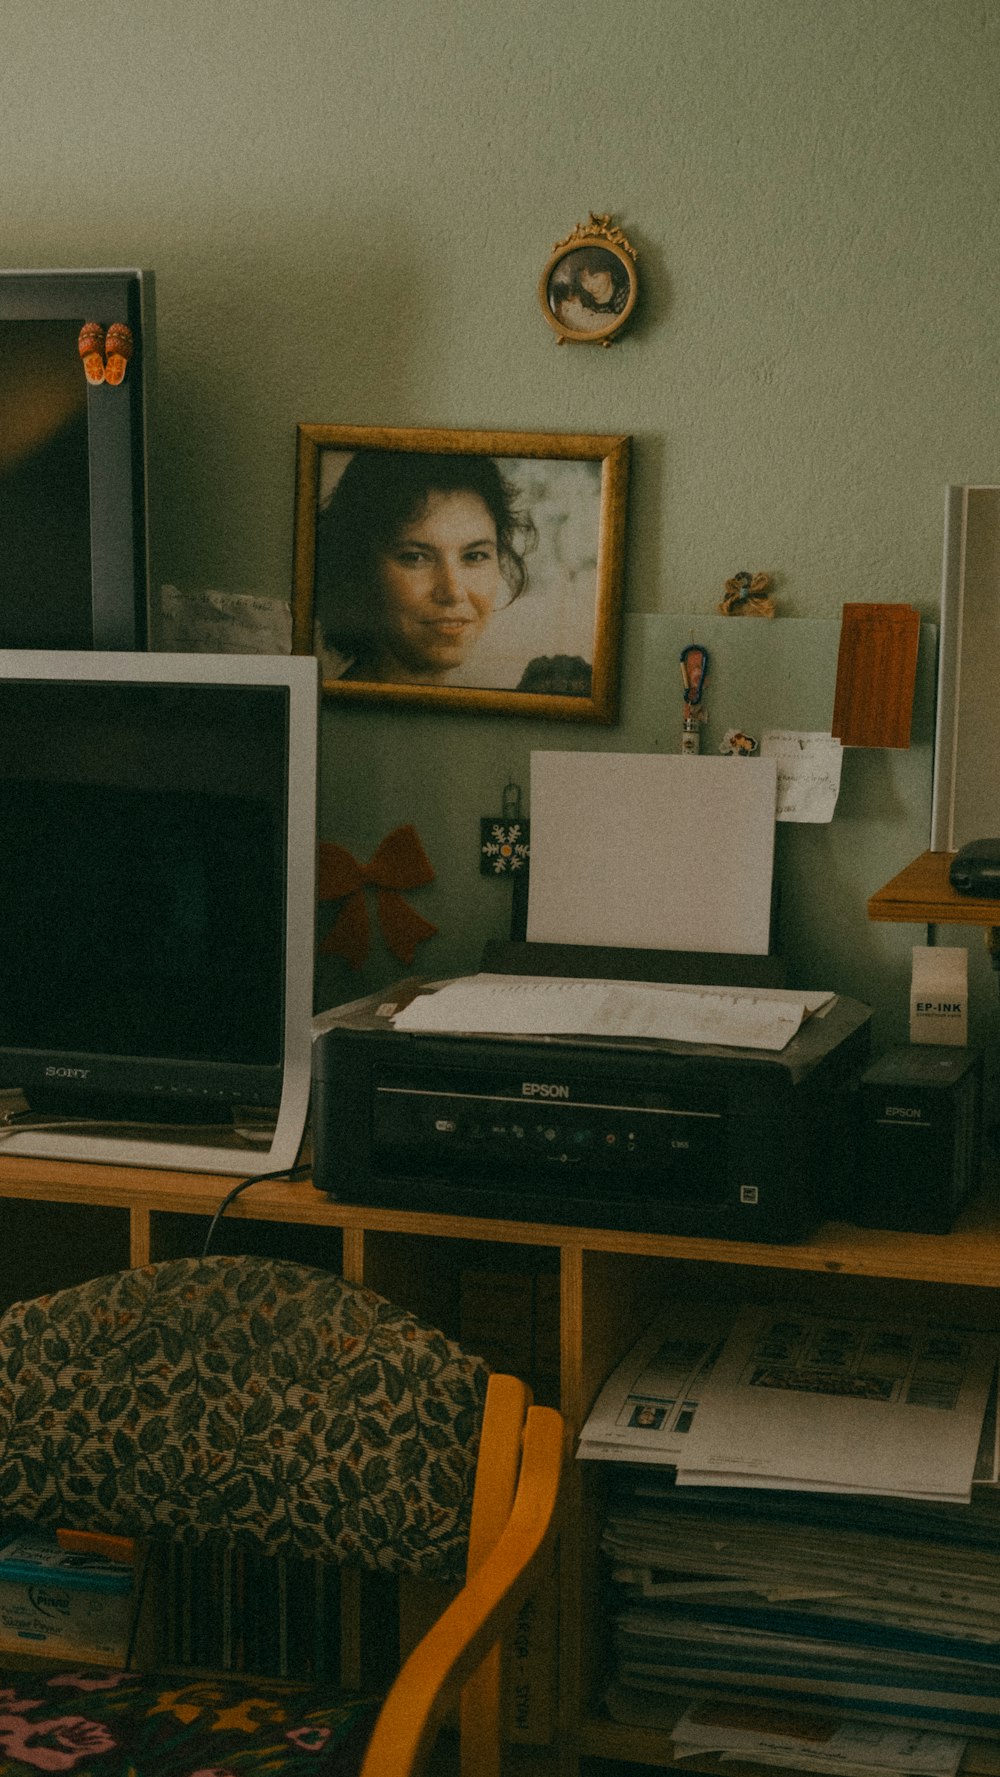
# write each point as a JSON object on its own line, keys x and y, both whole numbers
{"x": 463, "y": 570}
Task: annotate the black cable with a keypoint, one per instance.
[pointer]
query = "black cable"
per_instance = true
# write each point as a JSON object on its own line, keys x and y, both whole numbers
{"x": 257, "y": 1178}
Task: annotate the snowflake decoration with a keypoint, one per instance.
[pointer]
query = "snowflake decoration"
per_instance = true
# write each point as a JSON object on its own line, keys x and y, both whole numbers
{"x": 503, "y": 847}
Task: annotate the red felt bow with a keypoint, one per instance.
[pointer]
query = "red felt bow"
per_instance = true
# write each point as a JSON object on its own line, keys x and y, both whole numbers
{"x": 399, "y": 862}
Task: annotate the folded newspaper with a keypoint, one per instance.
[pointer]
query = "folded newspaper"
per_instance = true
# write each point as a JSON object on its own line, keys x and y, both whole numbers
{"x": 555, "y": 1005}
{"x": 647, "y": 1407}
{"x": 765, "y": 1398}
{"x": 834, "y": 1404}
{"x": 741, "y": 1733}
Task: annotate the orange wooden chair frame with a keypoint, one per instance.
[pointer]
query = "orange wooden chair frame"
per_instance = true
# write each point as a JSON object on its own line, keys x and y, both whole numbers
{"x": 514, "y": 1522}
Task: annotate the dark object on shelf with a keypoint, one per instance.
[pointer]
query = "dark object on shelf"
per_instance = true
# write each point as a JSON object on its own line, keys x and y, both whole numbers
{"x": 920, "y": 1137}
{"x": 975, "y": 870}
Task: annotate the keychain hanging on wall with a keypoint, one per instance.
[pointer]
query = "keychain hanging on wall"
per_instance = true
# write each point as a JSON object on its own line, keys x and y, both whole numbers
{"x": 694, "y": 672}
{"x": 505, "y": 851}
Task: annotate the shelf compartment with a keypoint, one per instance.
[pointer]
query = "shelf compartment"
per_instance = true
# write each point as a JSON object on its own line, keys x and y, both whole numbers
{"x": 51, "y": 1245}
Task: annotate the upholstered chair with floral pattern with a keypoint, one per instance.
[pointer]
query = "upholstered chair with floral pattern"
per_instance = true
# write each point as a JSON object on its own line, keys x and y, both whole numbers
{"x": 267, "y": 1409}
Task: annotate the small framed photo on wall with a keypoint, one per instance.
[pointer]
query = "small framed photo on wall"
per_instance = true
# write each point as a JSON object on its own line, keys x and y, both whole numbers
{"x": 463, "y": 570}
{"x": 589, "y": 286}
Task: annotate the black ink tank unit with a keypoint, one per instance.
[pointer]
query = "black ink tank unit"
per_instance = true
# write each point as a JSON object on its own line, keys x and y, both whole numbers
{"x": 648, "y": 1135}
{"x": 920, "y": 1137}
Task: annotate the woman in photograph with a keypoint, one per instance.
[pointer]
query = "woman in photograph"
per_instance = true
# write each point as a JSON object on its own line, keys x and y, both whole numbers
{"x": 588, "y": 289}
{"x": 414, "y": 552}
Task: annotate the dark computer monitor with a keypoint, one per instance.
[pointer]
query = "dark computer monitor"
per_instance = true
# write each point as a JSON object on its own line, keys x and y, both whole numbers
{"x": 73, "y": 520}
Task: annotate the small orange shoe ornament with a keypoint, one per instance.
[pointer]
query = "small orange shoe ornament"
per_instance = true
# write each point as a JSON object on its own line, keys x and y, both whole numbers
{"x": 91, "y": 348}
{"x": 117, "y": 352}
{"x": 105, "y": 355}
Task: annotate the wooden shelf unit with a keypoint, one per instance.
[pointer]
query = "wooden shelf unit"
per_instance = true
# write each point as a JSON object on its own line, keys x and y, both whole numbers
{"x": 610, "y": 1284}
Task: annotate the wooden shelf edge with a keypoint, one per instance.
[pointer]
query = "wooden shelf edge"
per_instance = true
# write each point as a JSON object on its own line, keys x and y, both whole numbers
{"x": 921, "y": 894}
{"x": 969, "y": 1255}
{"x": 628, "y": 1744}
{"x": 600, "y": 1738}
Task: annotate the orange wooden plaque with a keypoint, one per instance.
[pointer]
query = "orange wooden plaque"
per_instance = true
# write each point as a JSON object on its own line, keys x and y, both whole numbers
{"x": 876, "y": 674}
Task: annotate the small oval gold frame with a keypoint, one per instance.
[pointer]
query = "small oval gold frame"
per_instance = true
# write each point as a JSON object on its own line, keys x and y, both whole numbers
{"x": 589, "y": 286}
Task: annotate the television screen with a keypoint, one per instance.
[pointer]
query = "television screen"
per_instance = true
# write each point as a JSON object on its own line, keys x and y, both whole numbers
{"x": 46, "y": 585}
{"x": 73, "y": 544}
{"x": 156, "y": 888}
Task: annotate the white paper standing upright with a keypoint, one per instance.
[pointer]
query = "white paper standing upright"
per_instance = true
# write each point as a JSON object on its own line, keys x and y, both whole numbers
{"x": 652, "y": 851}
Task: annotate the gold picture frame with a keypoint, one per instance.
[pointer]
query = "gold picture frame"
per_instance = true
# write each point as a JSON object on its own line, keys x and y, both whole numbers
{"x": 462, "y": 570}
{"x": 590, "y": 285}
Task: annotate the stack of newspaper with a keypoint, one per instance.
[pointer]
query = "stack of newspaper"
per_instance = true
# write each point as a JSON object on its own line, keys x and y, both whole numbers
{"x": 794, "y": 1520}
{"x": 778, "y": 1399}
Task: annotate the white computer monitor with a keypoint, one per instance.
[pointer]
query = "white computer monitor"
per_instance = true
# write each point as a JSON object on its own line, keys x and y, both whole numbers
{"x": 157, "y": 906}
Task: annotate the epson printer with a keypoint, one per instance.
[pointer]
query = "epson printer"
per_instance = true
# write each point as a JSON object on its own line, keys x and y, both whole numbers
{"x": 644, "y": 1135}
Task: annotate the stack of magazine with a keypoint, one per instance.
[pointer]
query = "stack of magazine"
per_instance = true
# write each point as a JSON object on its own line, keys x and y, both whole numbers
{"x": 806, "y": 1512}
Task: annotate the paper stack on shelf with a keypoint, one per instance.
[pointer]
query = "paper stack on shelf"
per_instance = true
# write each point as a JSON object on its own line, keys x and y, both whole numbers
{"x": 738, "y": 1732}
{"x": 793, "y": 1518}
{"x": 839, "y": 1405}
{"x": 877, "y": 1607}
{"x": 802, "y": 1401}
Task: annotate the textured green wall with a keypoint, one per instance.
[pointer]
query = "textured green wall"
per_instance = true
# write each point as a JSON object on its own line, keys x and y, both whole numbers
{"x": 347, "y": 204}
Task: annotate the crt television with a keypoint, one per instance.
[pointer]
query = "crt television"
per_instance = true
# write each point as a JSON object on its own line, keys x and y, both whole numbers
{"x": 73, "y": 533}
{"x": 157, "y": 907}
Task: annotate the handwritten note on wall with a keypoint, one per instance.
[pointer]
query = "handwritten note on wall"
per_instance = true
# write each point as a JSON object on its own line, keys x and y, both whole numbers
{"x": 808, "y": 773}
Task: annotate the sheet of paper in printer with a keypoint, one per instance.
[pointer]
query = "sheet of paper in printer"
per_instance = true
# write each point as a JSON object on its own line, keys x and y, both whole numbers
{"x": 652, "y": 851}
{"x": 551, "y": 1005}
